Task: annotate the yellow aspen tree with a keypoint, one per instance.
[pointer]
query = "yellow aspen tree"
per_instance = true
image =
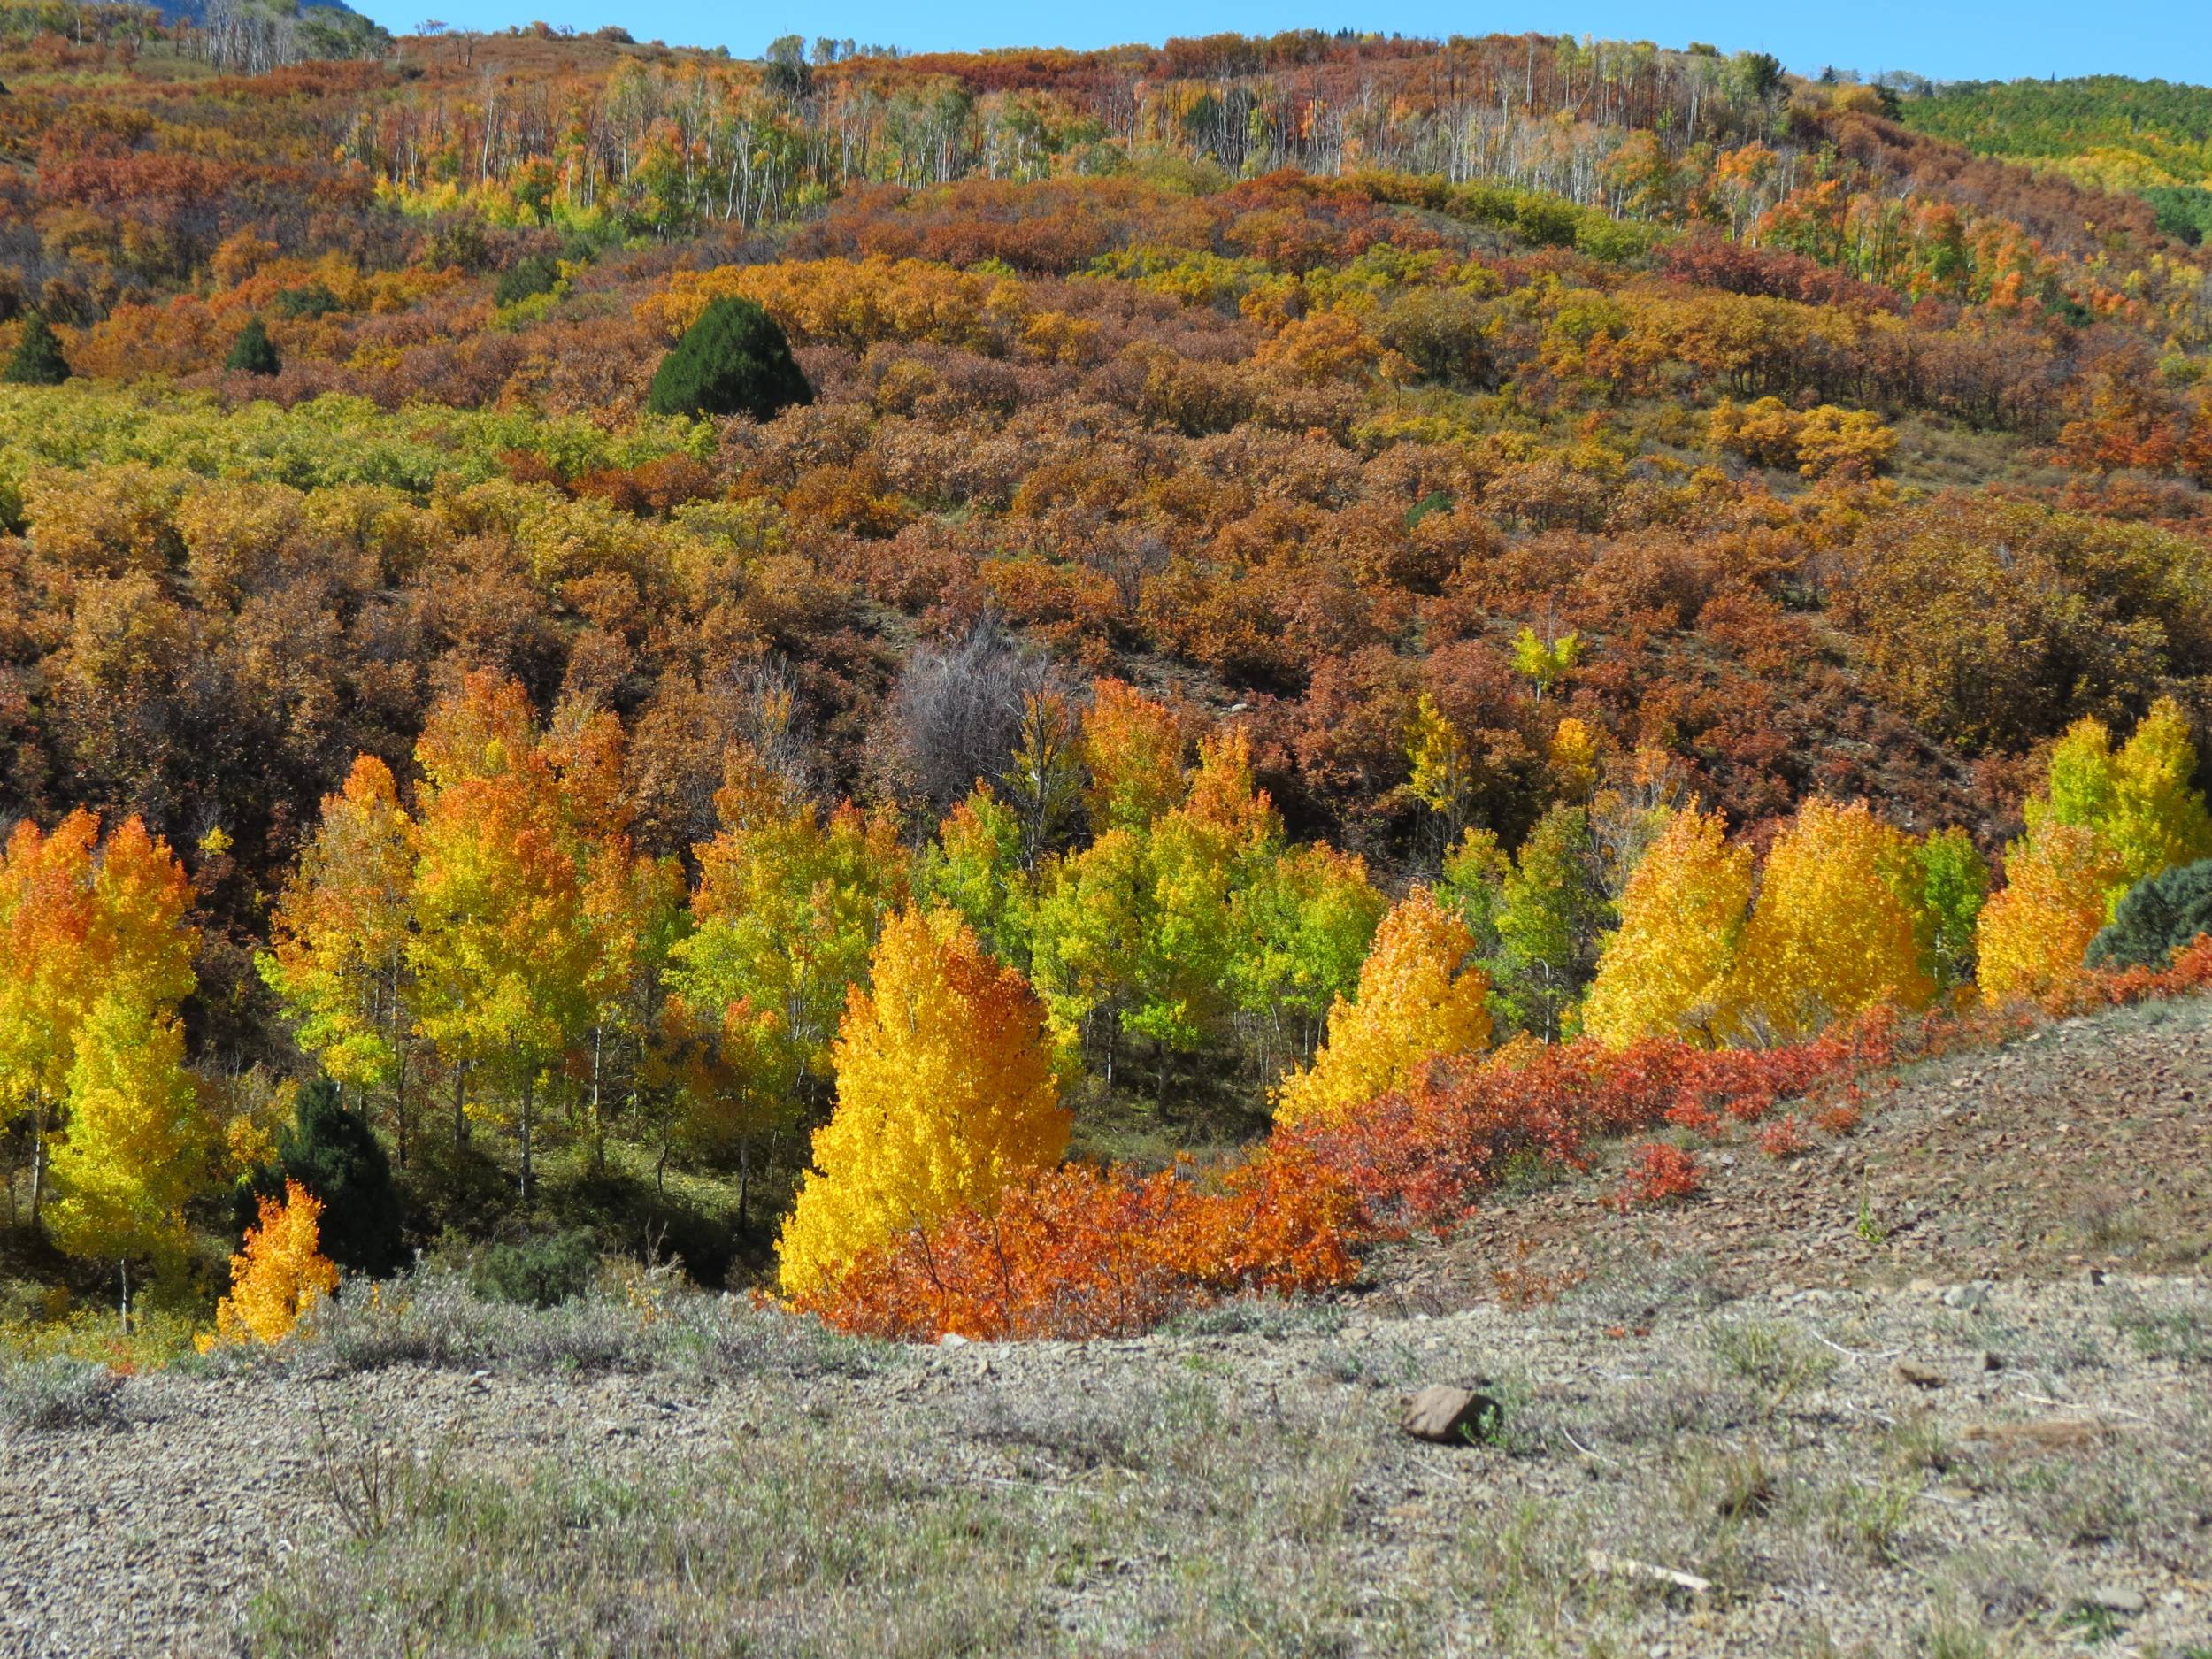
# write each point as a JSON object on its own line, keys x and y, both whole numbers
{"x": 279, "y": 1273}
{"x": 946, "y": 1091}
{"x": 2138, "y": 800}
{"x": 501, "y": 949}
{"x": 1442, "y": 772}
{"x": 1419, "y": 996}
{"x": 132, "y": 1148}
{"x": 337, "y": 957}
{"x": 1831, "y": 935}
{"x": 135, "y": 1149}
{"x": 1573, "y": 760}
{"x": 2035, "y": 930}
{"x": 1665, "y": 972}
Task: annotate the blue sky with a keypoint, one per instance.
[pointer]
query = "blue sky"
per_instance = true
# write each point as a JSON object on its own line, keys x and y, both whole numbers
{"x": 1983, "y": 39}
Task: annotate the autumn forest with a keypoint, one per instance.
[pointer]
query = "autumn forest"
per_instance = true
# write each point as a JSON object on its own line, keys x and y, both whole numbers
{"x": 1013, "y": 692}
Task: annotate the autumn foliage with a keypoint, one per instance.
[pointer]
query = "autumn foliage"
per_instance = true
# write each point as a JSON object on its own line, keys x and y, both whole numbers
{"x": 946, "y": 1092}
{"x": 280, "y": 1272}
{"x": 1082, "y": 1251}
{"x": 1419, "y": 998}
{"x": 1157, "y": 603}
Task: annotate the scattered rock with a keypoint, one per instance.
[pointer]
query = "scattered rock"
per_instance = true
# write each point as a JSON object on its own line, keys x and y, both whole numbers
{"x": 952, "y": 1338}
{"x": 2117, "y": 1598}
{"x": 1919, "y": 1376}
{"x": 1448, "y": 1416}
{"x": 1992, "y": 1361}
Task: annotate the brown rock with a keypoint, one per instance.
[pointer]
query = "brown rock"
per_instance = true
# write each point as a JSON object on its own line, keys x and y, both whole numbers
{"x": 1919, "y": 1376}
{"x": 1448, "y": 1416}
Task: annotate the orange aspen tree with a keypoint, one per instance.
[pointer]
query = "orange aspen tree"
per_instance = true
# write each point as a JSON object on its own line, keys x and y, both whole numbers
{"x": 1133, "y": 748}
{"x": 279, "y": 1273}
{"x": 2035, "y": 930}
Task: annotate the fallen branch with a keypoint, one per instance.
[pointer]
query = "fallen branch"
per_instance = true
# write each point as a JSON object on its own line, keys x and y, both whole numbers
{"x": 1622, "y": 1566}
{"x": 1596, "y": 1457}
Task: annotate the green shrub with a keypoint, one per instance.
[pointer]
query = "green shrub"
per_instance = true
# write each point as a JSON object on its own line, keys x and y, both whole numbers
{"x": 310, "y": 301}
{"x": 59, "y": 1393}
{"x": 2159, "y": 915}
{"x": 37, "y": 359}
{"x": 253, "y": 352}
{"x": 540, "y": 274}
{"x": 734, "y": 360}
{"x": 541, "y": 1271}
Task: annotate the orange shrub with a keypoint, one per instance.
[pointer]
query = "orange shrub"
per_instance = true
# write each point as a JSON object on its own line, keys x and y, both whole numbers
{"x": 1082, "y": 1251}
{"x": 279, "y": 1273}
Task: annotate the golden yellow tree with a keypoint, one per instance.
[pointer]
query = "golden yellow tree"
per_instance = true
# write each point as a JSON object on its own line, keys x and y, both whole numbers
{"x": 1831, "y": 936}
{"x": 2035, "y": 930}
{"x": 1419, "y": 995}
{"x": 946, "y": 1091}
{"x": 1442, "y": 773}
{"x": 279, "y": 1274}
{"x": 130, "y": 1152}
{"x": 1665, "y": 972}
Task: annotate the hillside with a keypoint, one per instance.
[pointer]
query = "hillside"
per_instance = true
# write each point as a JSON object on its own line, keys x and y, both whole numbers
{"x": 1036, "y": 693}
{"x": 1973, "y": 1423}
{"x": 2147, "y": 138}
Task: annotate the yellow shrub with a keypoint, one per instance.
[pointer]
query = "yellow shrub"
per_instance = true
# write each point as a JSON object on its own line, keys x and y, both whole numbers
{"x": 1665, "y": 972}
{"x": 2035, "y": 930}
{"x": 1831, "y": 936}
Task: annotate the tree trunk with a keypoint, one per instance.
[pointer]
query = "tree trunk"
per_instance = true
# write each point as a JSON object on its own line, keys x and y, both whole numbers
{"x": 598, "y": 1125}
{"x": 38, "y": 1163}
{"x": 399, "y": 1108}
{"x": 529, "y": 1086}
{"x": 460, "y": 1105}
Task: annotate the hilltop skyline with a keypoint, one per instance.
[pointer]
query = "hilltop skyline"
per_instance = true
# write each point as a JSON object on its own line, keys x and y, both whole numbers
{"x": 1981, "y": 41}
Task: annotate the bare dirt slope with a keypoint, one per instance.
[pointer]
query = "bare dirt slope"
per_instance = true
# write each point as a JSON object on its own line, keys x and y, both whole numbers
{"x": 1944, "y": 1389}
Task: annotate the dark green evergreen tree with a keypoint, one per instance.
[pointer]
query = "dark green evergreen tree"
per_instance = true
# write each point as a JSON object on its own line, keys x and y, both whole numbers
{"x": 331, "y": 1151}
{"x": 253, "y": 352}
{"x": 37, "y": 360}
{"x": 734, "y": 360}
{"x": 2158, "y": 917}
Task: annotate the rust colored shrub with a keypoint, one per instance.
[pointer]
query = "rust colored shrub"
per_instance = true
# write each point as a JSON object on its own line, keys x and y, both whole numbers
{"x": 1659, "y": 1174}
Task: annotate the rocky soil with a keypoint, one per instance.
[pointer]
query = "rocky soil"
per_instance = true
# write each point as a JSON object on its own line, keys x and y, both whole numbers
{"x": 1944, "y": 1388}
